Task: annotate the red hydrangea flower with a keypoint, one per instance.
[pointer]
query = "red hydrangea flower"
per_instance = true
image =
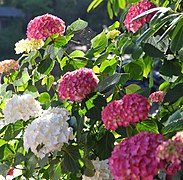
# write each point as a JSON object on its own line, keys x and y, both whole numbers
{"x": 42, "y": 27}
{"x": 131, "y": 108}
{"x": 135, "y": 158}
{"x": 172, "y": 152}
{"x": 135, "y": 107}
{"x": 111, "y": 115}
{"x": 11, "y": 171}
{"x": 157, "y": 96}
{"x": 134, "y": 11}
{"x": 77, "y": 84}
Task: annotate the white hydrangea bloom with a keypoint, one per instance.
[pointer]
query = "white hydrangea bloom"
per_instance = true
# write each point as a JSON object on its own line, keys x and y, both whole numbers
{"x": 26, "y": 45}
{"x": 48, "y": 132}
{"x": 21, "y": 107}
{"x": 102, "y": 171}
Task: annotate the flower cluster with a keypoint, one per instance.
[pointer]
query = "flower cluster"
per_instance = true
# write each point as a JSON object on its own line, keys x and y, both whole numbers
{"x": 113, "y": 34}
{"x": 135, "y": 158}
{"x": 131, "y": 108}
{"x": 48, "y": 132}
{"x": 42, "y": 27}
{"x": 77, "y": 84}
{"x": 102, "y": 171}
{"x": 136, "y": 10}
{"x": 157, "y": 96}
{"x": 7, "y": 65}
{"x": 26, "y": 45}
{"x": 135, "y": 107}
{"x": 112, "y": 115}
{"x": 21, "y": 107}
{"x": 172, "y": 152}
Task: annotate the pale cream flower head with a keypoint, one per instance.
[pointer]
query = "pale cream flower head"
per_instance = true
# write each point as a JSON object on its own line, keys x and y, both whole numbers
{"x": 26, "y": 45}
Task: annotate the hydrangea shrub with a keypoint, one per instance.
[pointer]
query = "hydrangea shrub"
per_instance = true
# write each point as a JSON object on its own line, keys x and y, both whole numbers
{"x": 84, "y": 115}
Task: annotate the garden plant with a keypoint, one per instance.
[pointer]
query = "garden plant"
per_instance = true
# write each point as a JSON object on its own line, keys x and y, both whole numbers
{"x": 80, "y": 115}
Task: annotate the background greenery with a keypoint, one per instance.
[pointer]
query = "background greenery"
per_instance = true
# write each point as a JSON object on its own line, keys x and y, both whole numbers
{"x": 68, "y": 10}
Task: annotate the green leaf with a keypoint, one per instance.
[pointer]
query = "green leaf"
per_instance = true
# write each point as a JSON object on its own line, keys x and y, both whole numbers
{"x": 135, "y": 68}
{"x": 30, "y": 164}
{"x": 108, "y": 83}
{"x": 43, "y": 161}
{"x": 175, "y": 126}
{"x": 170, "y": 69}
{"x": 160, "y": 9}
{"x": 3, "y": 89}
{"x": 122, "y": 131}
{"x": 176, "y": 43}
{"x": 95, "y": 107}
{"x": 152, "y": 51}
{"x": 60, "y": 41}
{"x": 176, "y": 115}
{"x": 147, "y": 62}
{"x": 99, "y": 43}
{"x": 4, "y": 169}
{"x": 22, "y": 77}
{"x": 108, "y": 66}
{"x": 70, "y": 162}
{"x": 177, "y": 29}
{"x": 124, "y": 78}
{"x": 55, "y": 169}
{"x": 46, "y": 66}
{"x": 147, "y": 125}
{"x": 174, "y": 94}
{"x": 94, "y": 4}
{"x": 6, "y": 152}
{"x": 77, "y": 26}
{"x": 144, "y": 92}
{"x": 109, "y": 10}
{"x": 32, "y": 90}
{"x": 49, "y": 82}
{"x": 13, "y": 130}
{"x": 51, "y": 52}
{"x": 101, "y": 58}
{"x": 171, "y": 26}
{"x": 105, "y": 145}
{"x": 90, "y": 169}
{"x": 44, "y": 98}
{"x": 19, "y": 158}
{"x": 122, "y": 4}
{"x": 132, "y": 88}
{"x": 115, "y": 25}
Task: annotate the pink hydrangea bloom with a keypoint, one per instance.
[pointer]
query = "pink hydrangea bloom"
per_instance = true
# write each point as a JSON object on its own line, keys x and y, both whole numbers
{"x": 135, "y": 158}
{"x": 135, "y": 107}
{"x": 172, "y": 152}
{"x": 136, "y": 10}
{"x": 111, "y": 115}
{"x": 157, "y": 96}
{"x": 7, "y": 65}
{"x": 42, "y": 27}
{"x": 77, "y": 84}
{"x": 11, "y": 171}
{"x": 131, "y": 108}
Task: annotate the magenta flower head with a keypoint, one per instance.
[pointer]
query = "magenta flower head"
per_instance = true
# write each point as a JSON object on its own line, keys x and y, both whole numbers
{"x": 111, "y": 115}
{"x": 131, "y": 108}
{"x": 42, "y": 27}
{"x": 136, "y": 10}
{"x": 172, "y": 152}
{"x": 135, "y": 158}
{"x": 77, "y": 84}
{"x": 135, "y": 107}
{"x": 157, "y": 96}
